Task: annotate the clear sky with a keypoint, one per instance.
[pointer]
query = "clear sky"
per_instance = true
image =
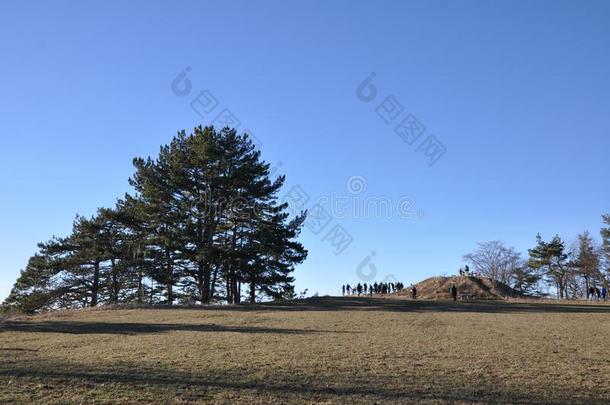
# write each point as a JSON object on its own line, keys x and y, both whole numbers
{"x": 516, "y": 92}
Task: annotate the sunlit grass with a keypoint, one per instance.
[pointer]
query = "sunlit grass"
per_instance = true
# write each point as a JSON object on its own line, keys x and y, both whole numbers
{"x": 339, "y": 350}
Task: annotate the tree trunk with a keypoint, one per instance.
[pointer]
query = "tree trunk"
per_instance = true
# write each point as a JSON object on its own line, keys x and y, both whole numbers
{"x": 213, "y": 284}
{"x": 229, "y": 289}
{"x": 587, "y": 286}
{"x": 252, "y": 290}
{"x": 234, "y": 290}
{"x": 204, "y": 282}
{"x": 169, "y": 277}
{"x": 95, "y": 288}
{"x": 115, "y": 282}
{"x": 140, "y": 288}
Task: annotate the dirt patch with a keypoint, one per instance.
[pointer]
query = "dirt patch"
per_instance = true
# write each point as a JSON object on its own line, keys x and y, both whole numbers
{"x": 475, "y": 287}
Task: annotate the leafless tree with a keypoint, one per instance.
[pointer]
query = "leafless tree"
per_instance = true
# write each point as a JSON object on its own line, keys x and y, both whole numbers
{"x": 495, "y": 260}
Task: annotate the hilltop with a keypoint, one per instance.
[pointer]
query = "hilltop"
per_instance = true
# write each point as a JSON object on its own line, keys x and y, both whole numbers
{"x": 477, "y": 287}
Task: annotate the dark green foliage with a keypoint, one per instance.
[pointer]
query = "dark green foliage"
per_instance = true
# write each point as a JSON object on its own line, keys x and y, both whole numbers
{"x": 525, "y": 280}
{"x": 551, "y": 259}
{"x": 204, "y": 222}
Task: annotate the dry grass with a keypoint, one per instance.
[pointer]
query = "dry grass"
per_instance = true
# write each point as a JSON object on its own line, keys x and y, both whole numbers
{"x": 325, "y": 350}
{"x": 480, "y": 287}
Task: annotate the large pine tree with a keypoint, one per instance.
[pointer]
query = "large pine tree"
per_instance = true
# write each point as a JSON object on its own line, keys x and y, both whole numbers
{"x": 203, "y": 221}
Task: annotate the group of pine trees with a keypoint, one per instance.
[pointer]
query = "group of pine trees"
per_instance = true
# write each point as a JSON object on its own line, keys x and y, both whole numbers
{"x": 570, "y": 270}
{"x": 204, "y": 224}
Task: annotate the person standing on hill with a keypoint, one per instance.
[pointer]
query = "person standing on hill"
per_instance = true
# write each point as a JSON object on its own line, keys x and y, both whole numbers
{"x": 343, "y": 289}
{"x": 453, "y": 292}
{"x": 413, "y": 292}
{"x": 348, "y": 289}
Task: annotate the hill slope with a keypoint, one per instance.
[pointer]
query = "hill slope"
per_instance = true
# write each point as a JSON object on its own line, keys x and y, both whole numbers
{"x": 479, "y": 287}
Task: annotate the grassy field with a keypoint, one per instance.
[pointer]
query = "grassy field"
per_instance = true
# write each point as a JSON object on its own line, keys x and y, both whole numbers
{"x": 321, "y": 350}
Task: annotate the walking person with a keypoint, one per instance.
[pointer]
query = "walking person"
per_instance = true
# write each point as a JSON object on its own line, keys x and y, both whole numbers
{"x": 413, "y": 292}
{"x": 453, "y": 292}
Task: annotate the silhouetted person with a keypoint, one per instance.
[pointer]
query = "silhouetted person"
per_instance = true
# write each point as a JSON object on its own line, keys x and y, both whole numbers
{"x": 414, "y": 292}
{"x": 598, "y": 293}
{"x": 453, "y": 292}
{"x": 348, "y": 289}
{"x": 343, "y": 289}
{"x": 466, "y": 269}
{"x": 364, "y": 288}
{"x": 604, "y": 293}
{"x": 359, "y": 288}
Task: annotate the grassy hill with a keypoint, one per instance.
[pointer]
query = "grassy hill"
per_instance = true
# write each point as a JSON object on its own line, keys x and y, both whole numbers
{"x": 330, "y": 350}
{"x": 478, "y": 287}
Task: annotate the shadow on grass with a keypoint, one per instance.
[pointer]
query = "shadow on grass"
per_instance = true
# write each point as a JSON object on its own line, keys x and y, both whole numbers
{"x": 407, "y": 305}
{"x": 72, "y": 327}
{"x": 74, "y": 376}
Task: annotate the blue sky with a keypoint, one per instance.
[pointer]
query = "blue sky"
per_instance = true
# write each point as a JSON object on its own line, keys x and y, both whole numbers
{"x": 516, "y": 92}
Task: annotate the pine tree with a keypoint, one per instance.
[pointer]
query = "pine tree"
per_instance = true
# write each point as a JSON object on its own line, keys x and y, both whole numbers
{"x": 587, "y": 262}
{"x": 203, "y": 221}
{"x": 33, "y": 290}
{"x": 550, "y": 258}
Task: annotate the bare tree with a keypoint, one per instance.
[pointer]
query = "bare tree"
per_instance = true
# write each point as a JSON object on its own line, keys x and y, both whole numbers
{"x": 587, "y": 262}
{"x": 495, "y": 260}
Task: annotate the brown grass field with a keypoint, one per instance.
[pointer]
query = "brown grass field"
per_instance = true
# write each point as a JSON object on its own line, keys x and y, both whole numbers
{"x": 320, "y": 350}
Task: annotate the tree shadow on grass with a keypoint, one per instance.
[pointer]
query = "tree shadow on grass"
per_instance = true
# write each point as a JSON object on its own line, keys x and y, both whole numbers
{"x": 78, "y": 328}
{"x": 292, "y": 388}
{"x": 407, "y": 305}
